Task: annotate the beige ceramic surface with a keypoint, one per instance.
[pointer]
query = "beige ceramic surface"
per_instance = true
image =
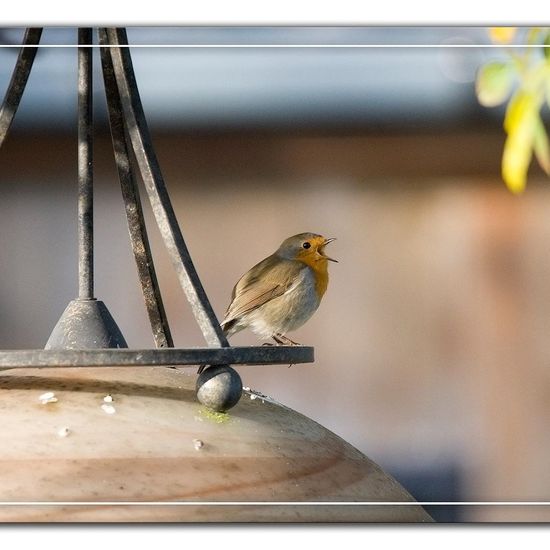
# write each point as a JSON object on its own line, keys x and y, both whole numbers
{"x": 150, "y": 449}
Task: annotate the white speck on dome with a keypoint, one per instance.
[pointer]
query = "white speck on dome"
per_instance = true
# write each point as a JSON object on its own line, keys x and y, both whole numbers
{"x": 48, "y": 397}
{"x": 109, "y": 409}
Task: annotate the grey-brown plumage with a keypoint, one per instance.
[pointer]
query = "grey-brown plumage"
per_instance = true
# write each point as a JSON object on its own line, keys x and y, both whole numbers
{"x": 280, "y": 293}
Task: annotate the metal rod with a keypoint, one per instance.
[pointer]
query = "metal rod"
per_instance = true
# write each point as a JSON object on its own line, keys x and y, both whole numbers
{"x": 259, "y": 355}
{"x": 18, "y": 81}
{"x": 85, "y": 168}
{"x": 134, "y": 212}
{"x": 137, "y": 128}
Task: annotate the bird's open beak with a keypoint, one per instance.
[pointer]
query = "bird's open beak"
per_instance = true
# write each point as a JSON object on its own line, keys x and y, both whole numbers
{"x": 328, "y": 241}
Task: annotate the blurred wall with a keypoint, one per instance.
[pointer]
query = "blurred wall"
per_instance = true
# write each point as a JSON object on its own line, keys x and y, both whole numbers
{"x": 431, "y": 345}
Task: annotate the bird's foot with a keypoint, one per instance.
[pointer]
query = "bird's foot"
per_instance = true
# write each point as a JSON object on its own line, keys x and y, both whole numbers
{"x": 267, "y": 344}
{"x": 285, "y": 340}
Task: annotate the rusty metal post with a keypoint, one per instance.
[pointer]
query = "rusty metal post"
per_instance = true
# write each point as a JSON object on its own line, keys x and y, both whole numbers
{"x": 134, "y": 212}
{"x": 85, "y": 168}
{"x": 18, "y": 81}
{"x": 86, "y": 322}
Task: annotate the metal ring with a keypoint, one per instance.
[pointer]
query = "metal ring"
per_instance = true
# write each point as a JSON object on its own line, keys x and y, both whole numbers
{"x": 253, "y": 355}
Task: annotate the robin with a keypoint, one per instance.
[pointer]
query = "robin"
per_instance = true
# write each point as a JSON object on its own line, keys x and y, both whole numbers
{"x": 282, "y": 292}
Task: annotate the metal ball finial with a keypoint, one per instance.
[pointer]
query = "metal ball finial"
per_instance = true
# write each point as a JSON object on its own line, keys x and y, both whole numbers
{"x": 219, "y": 387}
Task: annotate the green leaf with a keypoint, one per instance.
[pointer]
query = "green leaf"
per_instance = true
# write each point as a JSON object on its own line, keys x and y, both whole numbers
{"x": 520, "y": 124}
{"x": 521, "y": 104}
{"x": 494, "y": 83}
{"x": 515, "y": 163}
{"x": 541, "y": 146}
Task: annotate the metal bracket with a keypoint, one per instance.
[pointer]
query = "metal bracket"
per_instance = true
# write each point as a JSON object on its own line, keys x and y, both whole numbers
{"x": 219, "y": 386}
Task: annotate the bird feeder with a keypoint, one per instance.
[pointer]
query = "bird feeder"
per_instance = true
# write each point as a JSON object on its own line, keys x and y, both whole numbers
{"x": 120, "y": 414}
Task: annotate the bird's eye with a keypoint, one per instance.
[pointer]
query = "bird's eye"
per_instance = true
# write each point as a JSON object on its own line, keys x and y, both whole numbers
{"x": 306, "y": 245}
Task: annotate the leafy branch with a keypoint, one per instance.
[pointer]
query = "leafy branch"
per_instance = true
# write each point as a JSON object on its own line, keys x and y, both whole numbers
{"x": 524, "y": 80}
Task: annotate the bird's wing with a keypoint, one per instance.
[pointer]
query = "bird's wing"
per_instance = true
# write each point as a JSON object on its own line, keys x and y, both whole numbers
{"x": 267, "y": 280}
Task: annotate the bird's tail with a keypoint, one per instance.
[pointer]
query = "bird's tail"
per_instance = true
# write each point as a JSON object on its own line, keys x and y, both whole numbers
{"x": 227, "y": 327}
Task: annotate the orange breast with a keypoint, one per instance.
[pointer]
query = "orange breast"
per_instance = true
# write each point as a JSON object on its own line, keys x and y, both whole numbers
{"x": 320, "y": 271}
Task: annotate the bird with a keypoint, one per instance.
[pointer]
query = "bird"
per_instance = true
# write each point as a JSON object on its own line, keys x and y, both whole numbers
{"x": 280, "y": 293}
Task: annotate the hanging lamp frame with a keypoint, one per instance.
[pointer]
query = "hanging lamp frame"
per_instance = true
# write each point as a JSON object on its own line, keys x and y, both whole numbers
{"x": 133, "y": 151}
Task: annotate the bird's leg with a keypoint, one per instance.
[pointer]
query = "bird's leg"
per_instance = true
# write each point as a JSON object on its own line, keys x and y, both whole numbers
{"x": 278, "y": 339}
{"x": 285, "y": 340}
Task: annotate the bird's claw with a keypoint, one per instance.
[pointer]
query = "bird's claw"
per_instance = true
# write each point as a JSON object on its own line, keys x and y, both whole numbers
{"x": 285, "y": 340}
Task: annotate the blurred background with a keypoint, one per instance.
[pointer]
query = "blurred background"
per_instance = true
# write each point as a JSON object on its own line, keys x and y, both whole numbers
{"x": 431, "y": 344}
